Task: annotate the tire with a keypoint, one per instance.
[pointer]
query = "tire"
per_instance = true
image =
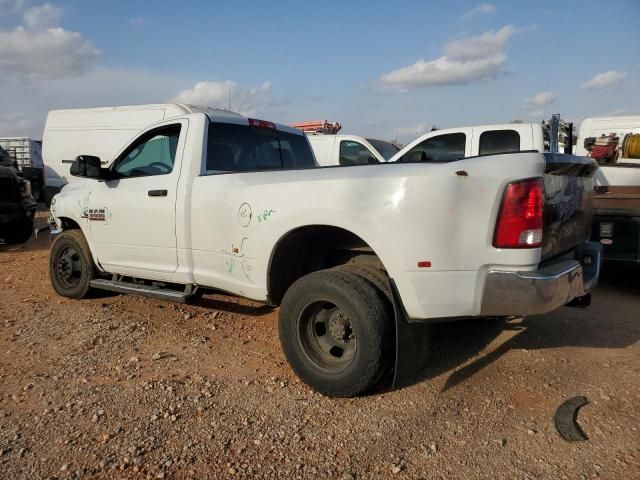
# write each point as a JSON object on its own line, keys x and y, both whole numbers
{"x": 71, "y": 267}
{"x": 373, "y": 275}
{"x": 335, "y": 330}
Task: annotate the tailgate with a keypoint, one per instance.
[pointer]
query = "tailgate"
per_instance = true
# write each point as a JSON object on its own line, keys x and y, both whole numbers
{"x": 568, "y": 209}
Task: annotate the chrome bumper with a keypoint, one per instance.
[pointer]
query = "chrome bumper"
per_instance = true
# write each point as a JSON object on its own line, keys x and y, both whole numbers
{"x": 541, "y": 291}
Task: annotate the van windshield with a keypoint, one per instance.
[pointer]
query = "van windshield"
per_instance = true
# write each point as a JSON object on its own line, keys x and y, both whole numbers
{"x": 243, "y": 148}
{"x": 386, "y": 149}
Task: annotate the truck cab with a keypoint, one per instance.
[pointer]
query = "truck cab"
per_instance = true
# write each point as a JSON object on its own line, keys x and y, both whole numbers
{"x": 453, "y": 143}
{"x": 332, "y": 148}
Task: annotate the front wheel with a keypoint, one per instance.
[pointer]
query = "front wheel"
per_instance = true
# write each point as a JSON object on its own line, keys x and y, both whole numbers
{"x": 335, "y": 331}
{"x": 71, "y": 267}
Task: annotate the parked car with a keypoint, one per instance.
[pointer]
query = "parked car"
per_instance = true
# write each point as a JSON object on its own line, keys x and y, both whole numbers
{"x": 17, "y": 207}
{"x": 214, "y": 200}
{"x": 28, "y": 155}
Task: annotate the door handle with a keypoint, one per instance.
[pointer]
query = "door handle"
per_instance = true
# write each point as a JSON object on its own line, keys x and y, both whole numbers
{"x": 157, "y": 193}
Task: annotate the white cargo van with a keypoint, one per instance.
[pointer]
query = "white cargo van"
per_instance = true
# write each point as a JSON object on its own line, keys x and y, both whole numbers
{"x": 97, "y": 131}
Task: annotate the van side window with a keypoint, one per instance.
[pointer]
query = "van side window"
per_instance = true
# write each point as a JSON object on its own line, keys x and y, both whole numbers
{"x": 499, "y": 141}
{"x": 354, "y": 153}
{"x": 152, "y": 154}
{"x": 441, "y": 148}
{"x": 243, "y": 148}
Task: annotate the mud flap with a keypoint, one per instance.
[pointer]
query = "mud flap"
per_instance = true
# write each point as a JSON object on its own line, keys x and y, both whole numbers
{"x": 412, "y": 345}
{"x": 566, "y": 420}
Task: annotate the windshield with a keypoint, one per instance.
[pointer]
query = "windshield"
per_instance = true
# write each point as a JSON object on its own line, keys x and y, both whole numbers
{"x": 386, "y": 149}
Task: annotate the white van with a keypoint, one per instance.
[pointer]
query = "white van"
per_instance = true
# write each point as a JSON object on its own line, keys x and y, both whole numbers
{"x": 102, "y": 132}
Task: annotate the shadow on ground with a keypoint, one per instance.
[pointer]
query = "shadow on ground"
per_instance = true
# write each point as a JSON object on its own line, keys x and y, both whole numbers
{"x": 608, "y": 323}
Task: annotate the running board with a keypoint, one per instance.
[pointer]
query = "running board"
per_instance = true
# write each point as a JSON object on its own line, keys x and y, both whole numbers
{"x": 144, "y": 290}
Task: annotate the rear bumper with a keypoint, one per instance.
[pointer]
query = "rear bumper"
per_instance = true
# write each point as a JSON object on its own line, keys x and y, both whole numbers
{"x": 543, "y": 290}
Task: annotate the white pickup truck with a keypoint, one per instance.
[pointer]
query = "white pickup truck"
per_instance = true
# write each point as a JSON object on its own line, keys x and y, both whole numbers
{"x": 214, "y": 201}
{"x": 347, "y": 150}
{"x": 437, "y": 145}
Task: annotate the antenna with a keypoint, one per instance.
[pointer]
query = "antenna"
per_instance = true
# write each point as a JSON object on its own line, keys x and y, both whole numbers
{"x": 229, "y": 99}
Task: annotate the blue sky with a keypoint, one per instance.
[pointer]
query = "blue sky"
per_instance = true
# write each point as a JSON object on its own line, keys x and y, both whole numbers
{"x": 380, "y": 68}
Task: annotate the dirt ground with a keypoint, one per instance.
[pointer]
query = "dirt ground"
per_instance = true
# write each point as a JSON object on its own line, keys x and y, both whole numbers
{"x": 128, "y": 387}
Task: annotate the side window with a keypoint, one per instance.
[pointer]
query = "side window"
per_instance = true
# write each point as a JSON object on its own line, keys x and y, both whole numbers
{"x": 499, "y": 141}
{"x": 441, "y": 148}
{"x": 152, "y": 154}
{"x": 354, "y": 153}
{"x": 243, "y": 148}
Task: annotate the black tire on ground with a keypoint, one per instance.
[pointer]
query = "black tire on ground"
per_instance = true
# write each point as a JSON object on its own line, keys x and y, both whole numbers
{"x": 19, "y": 232}
{"x": 380, "y": 280}
{"x": 335, "y": 329}
{"x": 375, "y": 276}
{"x": 71, "y": 267}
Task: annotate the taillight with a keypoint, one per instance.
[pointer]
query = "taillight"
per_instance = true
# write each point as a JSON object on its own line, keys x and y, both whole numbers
{"x": 520, "y": 219}
{"x": 254, "y": 122}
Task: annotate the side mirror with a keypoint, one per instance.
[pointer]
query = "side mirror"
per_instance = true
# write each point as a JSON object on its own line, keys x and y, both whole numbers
{"x": 87, "y": 166}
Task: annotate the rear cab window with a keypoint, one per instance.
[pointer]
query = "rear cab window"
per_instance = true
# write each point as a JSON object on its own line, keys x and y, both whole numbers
{"x": 242, "y": 148}
{"x": 499, "y": 141}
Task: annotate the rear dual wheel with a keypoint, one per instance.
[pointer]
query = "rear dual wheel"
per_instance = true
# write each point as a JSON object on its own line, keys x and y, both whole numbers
{"x": 336, "y": 331}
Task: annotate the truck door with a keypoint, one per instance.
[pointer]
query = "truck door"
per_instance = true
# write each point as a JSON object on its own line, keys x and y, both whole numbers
{"x": 355, "y": 153}
{"x": 131, "y": 218}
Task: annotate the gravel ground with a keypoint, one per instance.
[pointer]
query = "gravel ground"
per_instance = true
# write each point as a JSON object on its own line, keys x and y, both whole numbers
{"x": 129, "y": 387}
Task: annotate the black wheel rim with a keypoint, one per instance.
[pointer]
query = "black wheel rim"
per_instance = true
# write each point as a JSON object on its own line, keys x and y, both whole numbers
{"x": 327, "y": 336}
{"x": 68, "y": 265}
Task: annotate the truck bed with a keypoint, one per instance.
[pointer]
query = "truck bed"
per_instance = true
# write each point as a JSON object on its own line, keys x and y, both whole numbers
{"x": 616, "y": 222}
{"x": 614, "y": 200}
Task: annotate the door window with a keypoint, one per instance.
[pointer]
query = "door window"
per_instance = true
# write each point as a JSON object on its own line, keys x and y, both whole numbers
{"x": 499, "y": 141}
{"x": 152, "y": 154}
{"x": 354, "y": 153}
{"x": 441, "y": 148}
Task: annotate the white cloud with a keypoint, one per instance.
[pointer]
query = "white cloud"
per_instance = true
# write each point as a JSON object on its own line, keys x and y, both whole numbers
{"x": 605, "y": 79}
{"x": 246, "y": 100}
{"x": 482, "y": 9}
{"x": 54, "y": 52}
{"x": 539, "y": 100}
{"x": 535, "y": 106}
{"x": 39, "y": 47}
{"x": 42, "y": 17}
{"x": 464, "y": 61}
{"x": 137, "y": 21}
